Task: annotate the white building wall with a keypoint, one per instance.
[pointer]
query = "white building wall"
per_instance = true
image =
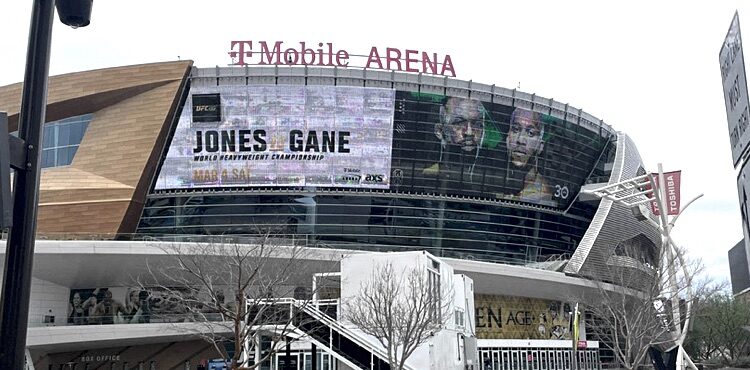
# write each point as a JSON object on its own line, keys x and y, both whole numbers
{"x": 48, "y": 299}
{"x": 442, "y": 349}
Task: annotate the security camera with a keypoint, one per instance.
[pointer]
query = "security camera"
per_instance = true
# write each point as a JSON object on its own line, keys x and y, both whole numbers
{"x": 74, "y": 13}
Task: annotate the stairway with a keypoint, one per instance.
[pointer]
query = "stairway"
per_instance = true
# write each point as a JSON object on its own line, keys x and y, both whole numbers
{"x": 332, "y": 337}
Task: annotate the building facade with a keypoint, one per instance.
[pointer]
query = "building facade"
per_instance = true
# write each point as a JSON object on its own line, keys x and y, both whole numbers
{"x": 484, "y": 177}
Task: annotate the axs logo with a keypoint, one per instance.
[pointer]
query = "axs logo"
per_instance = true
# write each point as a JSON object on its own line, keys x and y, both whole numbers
{"x": 374, "y": 178}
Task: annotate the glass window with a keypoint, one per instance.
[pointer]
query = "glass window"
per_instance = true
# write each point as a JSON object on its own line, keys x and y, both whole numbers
{"x": 61, "y": 139}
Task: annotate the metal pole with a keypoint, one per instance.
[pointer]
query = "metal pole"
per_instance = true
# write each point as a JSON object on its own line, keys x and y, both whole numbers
{"x": 672, "y": 277}
{"x": 576, "y": 336}
{"x": 20, "y": 246}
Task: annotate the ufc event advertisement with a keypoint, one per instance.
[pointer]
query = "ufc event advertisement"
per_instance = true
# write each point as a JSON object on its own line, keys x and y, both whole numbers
{"x": 358, "y": 137}
{"x": 260, "y": 136}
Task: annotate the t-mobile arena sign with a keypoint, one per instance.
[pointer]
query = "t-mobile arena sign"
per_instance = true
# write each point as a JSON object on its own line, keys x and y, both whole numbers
{"x": 324, "y": 54}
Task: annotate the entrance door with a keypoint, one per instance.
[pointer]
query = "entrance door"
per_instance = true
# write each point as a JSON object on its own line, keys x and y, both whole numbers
{"x": 291, "y": 362}
{"x": 566, "y": 360}
{"x": 523, "y": 356}
{"x": 543, "y": 360}
{"x": 515, "y": 362}
{"x": 485, "y": 358}
{"x": 534, "y": 359}
{"x": 325, "y": 361}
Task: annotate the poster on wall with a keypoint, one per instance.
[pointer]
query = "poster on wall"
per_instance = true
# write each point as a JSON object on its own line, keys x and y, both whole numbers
{"x": 506, "y": 317}
{"x": 136, "y": 305}
{"x": 294, "y": 136}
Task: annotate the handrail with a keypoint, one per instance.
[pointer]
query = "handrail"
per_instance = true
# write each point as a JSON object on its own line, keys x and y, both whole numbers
{"x": 334, "y": 324}
{"x": 319, "y": 344}
{"x": 355, "y": 337}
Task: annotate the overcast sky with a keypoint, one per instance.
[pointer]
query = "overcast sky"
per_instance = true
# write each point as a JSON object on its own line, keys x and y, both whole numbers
{"x": 647, "y": 68}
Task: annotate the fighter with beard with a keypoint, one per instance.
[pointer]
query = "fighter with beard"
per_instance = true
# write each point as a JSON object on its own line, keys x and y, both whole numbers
{"x": 461, "y": 132}
{"x": 525, "y": 142}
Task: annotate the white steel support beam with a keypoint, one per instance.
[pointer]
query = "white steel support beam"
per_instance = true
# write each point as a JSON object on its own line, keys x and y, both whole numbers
{"x": 634, "y": 193}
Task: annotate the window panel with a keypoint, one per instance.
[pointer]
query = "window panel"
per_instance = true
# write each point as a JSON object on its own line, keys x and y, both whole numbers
{"x": 48, "y": 158}
{"x": 49, "y": 136}
{"x": 63, "y": 135}
{"x": 61, "y": 139}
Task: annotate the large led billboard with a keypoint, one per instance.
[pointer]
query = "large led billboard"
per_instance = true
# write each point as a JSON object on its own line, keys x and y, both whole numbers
{"x": 358, "y": 137}
{"x": 289, "y": 136}
{"x": 458, "y": 146}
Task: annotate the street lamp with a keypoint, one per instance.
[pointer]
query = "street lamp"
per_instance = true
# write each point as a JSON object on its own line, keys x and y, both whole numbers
{"x": 635, "y": 193}
{"x": 19, "y": 255}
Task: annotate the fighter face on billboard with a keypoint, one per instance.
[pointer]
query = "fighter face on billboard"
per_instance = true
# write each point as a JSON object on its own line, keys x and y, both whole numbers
{"x": 525, "y": 137}
{"x": 525, "y": 142}
{"x": 462, "y": 123}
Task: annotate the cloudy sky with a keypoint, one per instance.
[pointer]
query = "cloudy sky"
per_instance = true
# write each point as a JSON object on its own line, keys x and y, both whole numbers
{"x": 647, "y": 68}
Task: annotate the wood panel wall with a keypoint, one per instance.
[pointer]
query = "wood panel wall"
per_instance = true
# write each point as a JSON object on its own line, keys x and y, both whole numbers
{"x": 103, "y": 190}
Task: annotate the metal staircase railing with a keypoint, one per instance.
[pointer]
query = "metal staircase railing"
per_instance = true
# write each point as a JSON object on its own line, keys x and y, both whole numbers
{"x": 344, "y": 339}
{"x": 335, "y": 338}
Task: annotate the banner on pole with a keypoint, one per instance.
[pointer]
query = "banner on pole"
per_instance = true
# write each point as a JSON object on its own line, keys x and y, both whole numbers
{"x": 672, "y": 192}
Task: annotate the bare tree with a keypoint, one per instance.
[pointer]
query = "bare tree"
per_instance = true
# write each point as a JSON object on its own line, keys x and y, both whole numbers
{"x": 402, "y": 309}
{"x": 632, "y": 308}
{"x": 233, "y": 291}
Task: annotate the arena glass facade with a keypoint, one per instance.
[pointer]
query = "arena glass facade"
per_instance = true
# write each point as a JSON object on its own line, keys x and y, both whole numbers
{"x": 457, "y": 176}
{"x": 458, "y": 168}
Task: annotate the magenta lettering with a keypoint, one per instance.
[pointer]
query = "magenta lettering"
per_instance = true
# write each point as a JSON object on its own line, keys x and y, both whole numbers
{"x": 241, "y": 53}
{"x": 394, "y": 55}
{"x": 448, "y": 66}
{"x": 305, "y": 53}
{"x": 410, "y": 59}
{"x": 281, "y": 53}
{"x": 374, "y": 57}
{"x": 432, "y": 64}
{"x": 341, "y": 57}
{"x": 270, "y": 55}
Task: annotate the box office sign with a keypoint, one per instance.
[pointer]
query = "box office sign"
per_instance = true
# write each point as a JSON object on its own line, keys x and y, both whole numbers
{"x": 506, "y": 317}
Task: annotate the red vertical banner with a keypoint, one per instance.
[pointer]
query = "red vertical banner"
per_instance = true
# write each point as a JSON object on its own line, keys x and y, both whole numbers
{"x": 672, "y": 183}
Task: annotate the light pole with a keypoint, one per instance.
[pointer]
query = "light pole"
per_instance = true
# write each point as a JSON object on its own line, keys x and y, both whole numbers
{"x": 635, "y": 193}
{"x": 19, "y": 255}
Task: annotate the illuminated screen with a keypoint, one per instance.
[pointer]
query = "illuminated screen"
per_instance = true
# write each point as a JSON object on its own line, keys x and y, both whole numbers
{"x": 450, "y": 145}
{"x": 357, "y": 137}
{"x": 322, "y": 136}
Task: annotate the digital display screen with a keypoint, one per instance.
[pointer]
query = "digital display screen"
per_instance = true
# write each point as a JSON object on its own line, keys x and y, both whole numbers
{"x": 359, "y": 137}
{"x": 459, "y": 146}
{"x": 324, "y": 136}
{"x": 206, "y": 108}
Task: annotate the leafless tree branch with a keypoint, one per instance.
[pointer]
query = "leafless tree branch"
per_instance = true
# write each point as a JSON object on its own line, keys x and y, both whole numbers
{"x": 234, "y": 291}
{"x": 402, "y": 309}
